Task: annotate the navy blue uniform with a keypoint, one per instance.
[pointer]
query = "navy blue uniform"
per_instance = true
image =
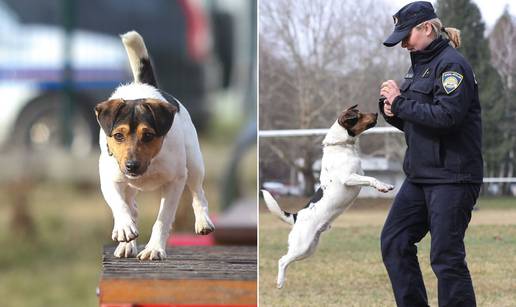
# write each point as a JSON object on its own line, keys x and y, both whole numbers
{"x": 442, "y": 129}
{"x": 439, "y": 112}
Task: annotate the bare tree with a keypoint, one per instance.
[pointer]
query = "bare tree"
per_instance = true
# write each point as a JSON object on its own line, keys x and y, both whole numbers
{"x": 502, "y": 41}
{"x": 316, "y": 58}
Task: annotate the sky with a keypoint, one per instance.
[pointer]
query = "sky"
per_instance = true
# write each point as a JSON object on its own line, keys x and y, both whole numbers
{"x": 490, "y": 9}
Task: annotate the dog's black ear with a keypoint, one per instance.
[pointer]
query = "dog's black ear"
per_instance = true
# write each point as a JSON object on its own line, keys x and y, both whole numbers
{"x": 352, "y": 107}
{"x": 350, "y": 122}
{"x": 107, "y": 113}
{"x": 348, "y": 118}
{"x": 163, "y": 114}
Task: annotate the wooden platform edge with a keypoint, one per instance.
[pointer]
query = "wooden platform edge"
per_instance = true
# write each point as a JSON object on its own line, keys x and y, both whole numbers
{"x": 148, "y": 291}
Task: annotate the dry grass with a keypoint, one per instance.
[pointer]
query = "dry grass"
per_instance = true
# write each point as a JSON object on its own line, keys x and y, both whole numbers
{"x": 347, "y": 269}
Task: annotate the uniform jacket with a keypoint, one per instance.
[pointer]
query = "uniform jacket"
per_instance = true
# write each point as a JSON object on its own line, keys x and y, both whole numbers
{"x": 439, "y": 111}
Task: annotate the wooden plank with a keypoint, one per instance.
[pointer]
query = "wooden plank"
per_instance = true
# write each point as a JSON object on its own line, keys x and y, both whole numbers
{"x": 214, "y": 275}
{"x": 186, "y": 262}
{"x": 178, "y": 292}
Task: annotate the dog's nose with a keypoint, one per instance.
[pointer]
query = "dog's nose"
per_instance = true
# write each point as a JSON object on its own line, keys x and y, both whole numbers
{"x": 132, "y": 166}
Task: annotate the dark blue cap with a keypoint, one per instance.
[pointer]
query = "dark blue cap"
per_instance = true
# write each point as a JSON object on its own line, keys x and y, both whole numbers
{"x": 407, "y": 18}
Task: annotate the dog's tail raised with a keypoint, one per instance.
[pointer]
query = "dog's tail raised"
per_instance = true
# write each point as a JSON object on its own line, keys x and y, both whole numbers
{"x": 141, "y": 65}
{"x": 273, "y": 206}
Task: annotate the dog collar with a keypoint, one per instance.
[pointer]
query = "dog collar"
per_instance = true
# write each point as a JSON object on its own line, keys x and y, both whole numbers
{"x": 109, "y": 151}
{"x": 342, "y": 143}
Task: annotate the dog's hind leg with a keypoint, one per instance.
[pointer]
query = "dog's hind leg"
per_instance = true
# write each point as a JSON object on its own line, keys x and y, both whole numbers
{"x": 195, "y": 165}
{"x": 296, "y": 254}
{"x": 203, "y": 224}
{"x": 282, "y": 268}
{"x": 302, "y": 243}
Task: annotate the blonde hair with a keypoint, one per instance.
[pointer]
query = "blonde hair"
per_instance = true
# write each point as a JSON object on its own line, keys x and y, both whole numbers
{"x": 453, "y": 34}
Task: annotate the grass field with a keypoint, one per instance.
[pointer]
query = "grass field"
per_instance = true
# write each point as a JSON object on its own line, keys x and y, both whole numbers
{"x": 59, "y": 264}
{"x": 347, "y": 269}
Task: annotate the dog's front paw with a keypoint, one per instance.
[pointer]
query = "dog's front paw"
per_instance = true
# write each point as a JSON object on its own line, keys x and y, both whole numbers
{"x": 126, "y": 250}
{"x": 152, "y": 252}
{"x": 384, "y": 187}
{"x": 203, "y": 224}
{"x": 124, "y": 230}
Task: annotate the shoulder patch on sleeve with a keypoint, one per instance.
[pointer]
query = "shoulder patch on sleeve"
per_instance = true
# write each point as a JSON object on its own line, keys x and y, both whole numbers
{"x": 451, "y": 81}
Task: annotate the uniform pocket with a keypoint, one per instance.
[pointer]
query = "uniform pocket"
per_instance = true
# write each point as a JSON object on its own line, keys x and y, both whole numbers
{"x": 423, "y": 86}
{"x": 433, "y": 154}
{"x": 424, "y": 154}
{"x": 463, "y": 210}
{"x": 437, "y": 152}
{"x": 450, "y": 157}
{"x": 405, "y": 85}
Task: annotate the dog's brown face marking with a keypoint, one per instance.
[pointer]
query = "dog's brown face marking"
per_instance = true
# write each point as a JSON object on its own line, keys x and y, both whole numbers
{"x": 135, "y": 130}
{"x": 356, "y": 122}
{"x": 134, "y": 151}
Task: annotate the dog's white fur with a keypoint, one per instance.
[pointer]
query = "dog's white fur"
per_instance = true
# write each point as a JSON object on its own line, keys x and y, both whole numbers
{"x": 341, "y": 180}
{"x": 179, "y": 162}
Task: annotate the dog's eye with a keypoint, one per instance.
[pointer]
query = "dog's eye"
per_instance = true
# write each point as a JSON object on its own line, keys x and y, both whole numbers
{"x": 119, "y": 137}
{"x": 147, "y": 137}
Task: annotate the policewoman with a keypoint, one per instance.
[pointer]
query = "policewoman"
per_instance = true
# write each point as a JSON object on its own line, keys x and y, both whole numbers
{"x": 437, "y": 108}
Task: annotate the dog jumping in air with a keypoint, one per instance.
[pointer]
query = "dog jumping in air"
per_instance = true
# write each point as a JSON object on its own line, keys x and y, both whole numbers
{"x": 341, "y": 180}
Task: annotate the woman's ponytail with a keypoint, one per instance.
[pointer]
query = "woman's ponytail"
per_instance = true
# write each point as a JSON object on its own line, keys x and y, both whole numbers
{"x": 454, "y": 36}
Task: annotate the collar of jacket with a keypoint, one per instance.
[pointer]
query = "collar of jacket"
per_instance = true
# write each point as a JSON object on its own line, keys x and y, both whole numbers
{"x": 430, "y": 52}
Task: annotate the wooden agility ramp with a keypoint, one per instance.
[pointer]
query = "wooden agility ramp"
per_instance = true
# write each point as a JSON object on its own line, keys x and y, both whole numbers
{"x": 190, "y": 276}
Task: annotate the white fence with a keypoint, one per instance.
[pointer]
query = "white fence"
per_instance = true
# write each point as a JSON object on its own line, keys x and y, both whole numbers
{"x": 309, "y": 132}
{"x": 375, "y": 130}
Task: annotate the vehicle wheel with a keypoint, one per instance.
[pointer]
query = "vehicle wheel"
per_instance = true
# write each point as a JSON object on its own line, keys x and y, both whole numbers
{"x": 38, "y": 129}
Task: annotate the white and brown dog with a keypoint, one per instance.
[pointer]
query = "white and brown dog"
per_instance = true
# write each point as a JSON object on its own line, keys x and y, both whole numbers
{"x": 341, "y": 180}
{"x": 147, "y": 142}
